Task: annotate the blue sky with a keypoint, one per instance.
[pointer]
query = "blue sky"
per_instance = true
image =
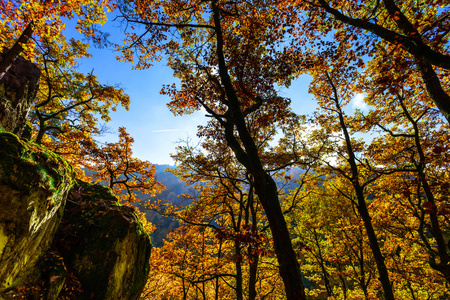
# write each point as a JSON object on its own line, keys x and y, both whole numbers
{"x": 154, "y": 128}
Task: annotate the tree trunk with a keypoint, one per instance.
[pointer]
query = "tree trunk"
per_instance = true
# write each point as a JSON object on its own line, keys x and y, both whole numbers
{"x": 374, "y": 246}
{"x": 362, "y": 206}
{"x": 252, "y": 277}
{"x": 265, "y": 186}
{"x": 239, "y": 292}
{"x": 267, "y": 192}
{"x": 322, "y": 265}
{"x": 253, "y": 256}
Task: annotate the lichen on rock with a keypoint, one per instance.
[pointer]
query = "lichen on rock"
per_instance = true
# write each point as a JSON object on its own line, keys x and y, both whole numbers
{"x": 34, "y": 184}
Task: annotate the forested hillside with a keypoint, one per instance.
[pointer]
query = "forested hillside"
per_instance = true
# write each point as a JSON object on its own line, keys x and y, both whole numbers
{"x": 172, "y": 193}
{"x": 368, "y": 215}
{"x": 177, "y": 192}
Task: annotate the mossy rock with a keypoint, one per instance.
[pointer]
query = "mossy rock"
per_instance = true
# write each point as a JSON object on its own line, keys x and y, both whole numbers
{"x": 103, "y": 244}
{"x": 34, "y": 184}
{"x": 49, "y": 279}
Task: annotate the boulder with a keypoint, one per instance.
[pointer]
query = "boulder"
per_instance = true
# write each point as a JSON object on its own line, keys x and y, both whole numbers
{"x": 34, "y": 184}
{"x": 97, "y": 250}
{"x": 17, "y": 91}
{"x": 103, "y": 245}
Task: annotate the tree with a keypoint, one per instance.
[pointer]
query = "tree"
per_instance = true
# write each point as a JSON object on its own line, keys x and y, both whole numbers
{"x": 228, "y": 65}
{"x": 332, "y": 240}
{"x": 223, "y": 200}
{"x": 43, "y": 19}
{"x": 124, "y": 174}
{"x": 412, "y": 34}
{"x": 334, "y": 247}
{"x": 402, "y": 111}
{"x": 418, "y": 144}
{"x": 68, "y": 104}
{"x": 194, "y": 265}
{"x": 331, "y": 86}
{"x": 226, "y": 199}
{"x": 70, "y": 99}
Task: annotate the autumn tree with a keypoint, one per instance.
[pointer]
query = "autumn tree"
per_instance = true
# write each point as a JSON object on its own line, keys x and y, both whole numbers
{"x": 67, "y": 96}
{"x": 69, "y": 104}
{"x": 223, "y": 200}
{"x": 66, "y": 115}
{"x": 403, "y": 114}
{"x": 331, "y": 240}
{"x": 332, "y": 87}
{"x": 226, "y": 199}
{"x": 410, "y": 36}
{"x": 190, "y": 257}
{"x": 124, "y": 174}
{"x": 27, "y": 23}
{"x": 420, "y": 161}
{"x": 225, "y": 55}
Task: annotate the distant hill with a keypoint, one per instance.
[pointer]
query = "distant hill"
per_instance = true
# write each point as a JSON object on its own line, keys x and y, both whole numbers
{"x": 174, "y": 187}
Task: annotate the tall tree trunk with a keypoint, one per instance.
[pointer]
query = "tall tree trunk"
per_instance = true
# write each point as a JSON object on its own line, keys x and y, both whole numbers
{"x": 361, "y": 200}
{"x": 254, "y": 257}
{"x": 322, "y": 265}
{"x": 344, "y": 286}
{"x": 216, "y": 288}
{"x": 374, "y": 246}
{"x": 239, "y": 291}
{"x": 264, "y": 184}
{"x": 253, "y": 271}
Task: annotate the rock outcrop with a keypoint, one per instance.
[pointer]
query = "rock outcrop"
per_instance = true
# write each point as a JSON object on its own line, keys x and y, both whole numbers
{"x": 87, "y": 246}
{"x": 17, "y": 91}
{"x": 34, "y": 184}
{"x": 103, "y": 245}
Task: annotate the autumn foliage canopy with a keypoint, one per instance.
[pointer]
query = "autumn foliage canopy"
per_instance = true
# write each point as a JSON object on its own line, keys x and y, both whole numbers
{"x": 344, "y": 203}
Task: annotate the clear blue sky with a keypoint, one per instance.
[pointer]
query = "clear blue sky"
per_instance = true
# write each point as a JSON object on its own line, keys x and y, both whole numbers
{"x": 154, "y": 128}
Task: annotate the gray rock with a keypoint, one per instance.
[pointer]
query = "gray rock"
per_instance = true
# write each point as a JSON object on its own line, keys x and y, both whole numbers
{"x": 34, "y": 185}
{"x": 18, "y": 89}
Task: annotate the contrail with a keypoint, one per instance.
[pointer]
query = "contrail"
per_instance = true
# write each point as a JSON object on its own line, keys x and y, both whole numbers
{"x": 166, "y": 130}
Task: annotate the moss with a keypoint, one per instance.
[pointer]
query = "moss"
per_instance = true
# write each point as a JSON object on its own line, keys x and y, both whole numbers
{"x": 34, "y": 183}
{"x": 28, "y": 163}
{"x": 27, "y": 132}
{"x": 11, "y": 145}
{"x": 97, "y": 192}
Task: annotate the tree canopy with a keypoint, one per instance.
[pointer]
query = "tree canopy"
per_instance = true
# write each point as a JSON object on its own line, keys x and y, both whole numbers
{"x": 341, "y": 204}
